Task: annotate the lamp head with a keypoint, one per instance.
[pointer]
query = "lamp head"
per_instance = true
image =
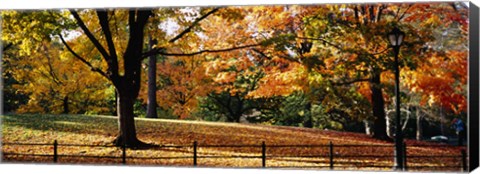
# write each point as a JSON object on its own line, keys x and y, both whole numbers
{"x": 396, "y": 37}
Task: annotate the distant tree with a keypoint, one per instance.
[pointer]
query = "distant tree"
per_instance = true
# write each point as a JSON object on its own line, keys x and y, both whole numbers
{"x": 51, "y": 87}
{"x": 152, "y": 82}
{"x": 11, "y": 98}
{"x": 230, "y": 95}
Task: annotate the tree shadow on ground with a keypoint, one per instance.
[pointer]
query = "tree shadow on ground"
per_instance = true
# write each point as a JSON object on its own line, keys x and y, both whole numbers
{"x": 63, "y": 123}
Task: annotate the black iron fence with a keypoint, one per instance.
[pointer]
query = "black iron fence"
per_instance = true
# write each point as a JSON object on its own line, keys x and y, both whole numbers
{"x": 330, "y": 156}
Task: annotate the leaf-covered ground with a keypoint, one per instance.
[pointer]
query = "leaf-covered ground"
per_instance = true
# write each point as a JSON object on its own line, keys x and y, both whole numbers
{"x": 177, "y": 139}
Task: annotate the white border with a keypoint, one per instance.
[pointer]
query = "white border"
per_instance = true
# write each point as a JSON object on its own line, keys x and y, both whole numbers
{"x": 74, "y": 169}
{"x": 54, "y": 4}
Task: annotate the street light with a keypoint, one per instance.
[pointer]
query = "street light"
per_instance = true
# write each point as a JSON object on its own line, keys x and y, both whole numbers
{"x": 396, "y": 38}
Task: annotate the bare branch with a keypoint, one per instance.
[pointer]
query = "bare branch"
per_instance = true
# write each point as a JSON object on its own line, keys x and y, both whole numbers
{"x": 349, "y": 82}
{"x": 161, "y": 51}
{"x": 103, "y": 20}
{"x": 405, "y": 12}
{"x": 50, "y": 67}
{"x": 193, "y": 25}
{"x": 379, "y": 12}
{"x": 261, "y": 53}
{"x": 397, "y": 13}
{"x": 94, "y": 69}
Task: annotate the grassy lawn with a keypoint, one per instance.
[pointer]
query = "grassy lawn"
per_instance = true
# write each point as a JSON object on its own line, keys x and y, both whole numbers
{"x": 101, "y": 130}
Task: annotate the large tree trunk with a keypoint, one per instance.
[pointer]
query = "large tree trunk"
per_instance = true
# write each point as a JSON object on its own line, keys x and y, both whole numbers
{"x": 152, "y": 86}
{"x": 128, "y": 85}
{"x": 379, "y": 122}
{"x": 127, "y": 92}
{"x": 233, "y": 117}
{"x": 126, "y": 123}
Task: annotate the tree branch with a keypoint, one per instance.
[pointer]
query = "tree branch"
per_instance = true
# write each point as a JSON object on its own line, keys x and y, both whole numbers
{"x": 219, "y": 101}
{"x": 50, "y": 67}
{"x": 406, "y": 120}
{"x": 357, "y": 20}
{"x": 90, "y": 36}
{"x": 142, "y": 17}
{"x": 136, "y": 23}
{"x": 349, "y": 82}
{"x": 324, "y": 41}
{"x": 379, "y": 12}
{"x": 371, "y": 10}
{"x": 103, "y": 20}
{"x": 342, "y": 49}
{"x": 131, "y": 17}
{"x": 261, "y": 53}
{"x": 82, "y": 59}
{"x": 405, "y": 12}
{"x": 160, "y": 51}
{"x": 193, "y": 24}
{"x": 6, "y": 47}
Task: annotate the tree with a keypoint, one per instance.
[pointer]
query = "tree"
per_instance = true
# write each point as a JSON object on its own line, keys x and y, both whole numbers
{"x": 440, "y": 80}
{"x": 183, "y": 81}
{"x": 329, "y": 53}
{"x": 152, "y": 82}
{"x": 127, "y": 84}
{"x": 230, "y": 97}
{"x": 33, "y": 59}
{"x": 53, "y": 88}
{"x": 120, "y": 58}
{"x": 347, "y": 46}
{"x": 11, "y": 98}
{"x": 355, "y": 33}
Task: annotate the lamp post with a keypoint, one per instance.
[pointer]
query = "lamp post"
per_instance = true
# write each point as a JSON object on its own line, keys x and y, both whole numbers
{"x": 396, "y": 38}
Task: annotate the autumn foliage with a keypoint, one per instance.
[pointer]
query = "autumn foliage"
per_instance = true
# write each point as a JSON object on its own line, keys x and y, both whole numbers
{"x": 325, "y": 66}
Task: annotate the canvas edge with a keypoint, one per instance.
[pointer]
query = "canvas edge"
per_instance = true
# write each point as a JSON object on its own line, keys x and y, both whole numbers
{"x": 473, "y": 129}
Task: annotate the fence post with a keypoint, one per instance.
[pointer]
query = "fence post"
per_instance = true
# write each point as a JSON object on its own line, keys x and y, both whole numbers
{"x": 331, "y": 155}
{"x": 404, "y": 150}
{"x": 464, "y": 160}
{"x": 124, "y": 154}
{"x": 195, "y": 144}
{"x": 55, "y": 154}
{"x": 264, "y": 158}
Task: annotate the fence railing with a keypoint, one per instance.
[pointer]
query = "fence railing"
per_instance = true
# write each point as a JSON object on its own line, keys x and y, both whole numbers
{"x": 332, "y": 156}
